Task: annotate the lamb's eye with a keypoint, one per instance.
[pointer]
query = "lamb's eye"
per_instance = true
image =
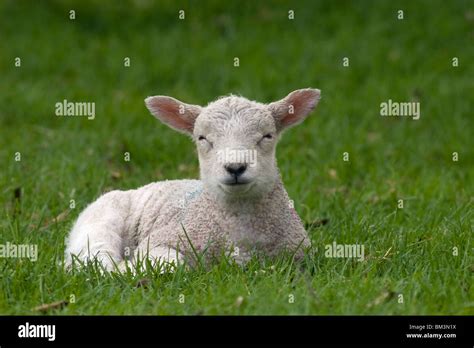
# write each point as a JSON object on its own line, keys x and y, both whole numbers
{"x": 203, "y": 140}
{"x": 265, "y": 137}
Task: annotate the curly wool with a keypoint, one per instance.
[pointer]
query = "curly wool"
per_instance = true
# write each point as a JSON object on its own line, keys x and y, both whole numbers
{"x": 156, "y": 214}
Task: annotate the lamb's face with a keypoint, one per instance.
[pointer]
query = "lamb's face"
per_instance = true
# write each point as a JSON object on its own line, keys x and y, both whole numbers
{"x": 236, "y": 141}
{"x": 236, "y": 137}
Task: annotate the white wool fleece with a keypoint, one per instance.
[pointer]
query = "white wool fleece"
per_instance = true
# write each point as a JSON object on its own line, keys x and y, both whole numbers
{"x": 238, "y": 207}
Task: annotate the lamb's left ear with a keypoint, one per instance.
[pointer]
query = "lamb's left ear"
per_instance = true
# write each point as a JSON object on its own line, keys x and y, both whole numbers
{"x": 174, "y": 113}
{"x": 294, "y": 108}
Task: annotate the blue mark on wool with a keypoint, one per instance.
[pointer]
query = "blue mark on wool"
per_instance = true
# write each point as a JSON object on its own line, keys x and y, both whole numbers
{"x": 188, "y": 198}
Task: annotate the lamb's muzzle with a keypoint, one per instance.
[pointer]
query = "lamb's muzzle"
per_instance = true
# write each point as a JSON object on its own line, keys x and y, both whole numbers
{"x": 238, "y": 204}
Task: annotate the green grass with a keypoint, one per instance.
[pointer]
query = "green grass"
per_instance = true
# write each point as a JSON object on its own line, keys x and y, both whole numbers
{"x": 408, "y": 251}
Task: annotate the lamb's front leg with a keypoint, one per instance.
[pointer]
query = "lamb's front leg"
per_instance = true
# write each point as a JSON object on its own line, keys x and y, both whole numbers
{"x": 164, "y": 257}
{"x": 99, "y": 231}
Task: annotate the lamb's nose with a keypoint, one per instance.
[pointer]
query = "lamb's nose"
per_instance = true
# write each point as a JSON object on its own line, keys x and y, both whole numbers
{"x": 236, "y": 169}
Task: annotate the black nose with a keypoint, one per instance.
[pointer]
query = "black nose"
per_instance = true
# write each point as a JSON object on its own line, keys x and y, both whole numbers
{"x": 236, "y": 169}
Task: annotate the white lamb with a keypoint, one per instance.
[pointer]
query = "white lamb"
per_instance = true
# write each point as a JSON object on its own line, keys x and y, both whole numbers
{"x": 239, "y": 206}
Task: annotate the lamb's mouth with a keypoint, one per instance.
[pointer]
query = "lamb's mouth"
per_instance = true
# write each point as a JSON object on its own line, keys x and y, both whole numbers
{"x": 237, "y": 183}
{"x": 236, "y": 186}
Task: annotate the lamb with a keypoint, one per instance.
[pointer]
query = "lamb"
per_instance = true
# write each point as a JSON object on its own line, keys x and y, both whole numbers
{"x": 239, "y": 206}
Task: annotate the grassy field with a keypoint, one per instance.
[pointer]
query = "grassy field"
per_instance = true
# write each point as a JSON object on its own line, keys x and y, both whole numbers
{"x": 418, "y": 259}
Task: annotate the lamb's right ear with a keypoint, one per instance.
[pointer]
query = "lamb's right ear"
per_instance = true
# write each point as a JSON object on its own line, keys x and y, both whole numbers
{"x": 174, "y": 113}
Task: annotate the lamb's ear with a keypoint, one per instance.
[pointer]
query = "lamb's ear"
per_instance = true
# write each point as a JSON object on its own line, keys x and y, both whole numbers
{"x": 172, "y": 112}
{"x": 294, "y": 108}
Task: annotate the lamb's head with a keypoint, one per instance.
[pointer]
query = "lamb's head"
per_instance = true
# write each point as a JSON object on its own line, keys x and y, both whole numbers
{"x": 236, "y": 138}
